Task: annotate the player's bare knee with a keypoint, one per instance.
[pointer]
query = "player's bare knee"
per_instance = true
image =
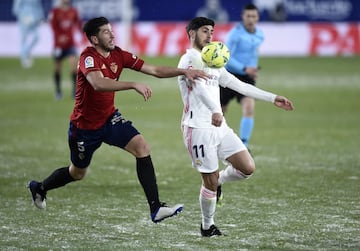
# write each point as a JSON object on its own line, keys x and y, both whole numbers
{"x": 143, "y": 150}
{"x": 247, "y": 172}
{"x": 77, "y": 173}
{"x": 138, "y": 147}
{"x": 249, "y": 169}
{"x": 78, "y": 176}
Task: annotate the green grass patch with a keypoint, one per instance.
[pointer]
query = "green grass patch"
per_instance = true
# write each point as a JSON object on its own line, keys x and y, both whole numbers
{"x": 303, "y": 196}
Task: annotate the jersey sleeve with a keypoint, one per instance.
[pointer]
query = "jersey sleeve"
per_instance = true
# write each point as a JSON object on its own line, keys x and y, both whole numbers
{"x": 132, "y": 61}
{"x": 230, "y": 40}
{"x": 192, "y": 61}
{"x": 234, "y": 65}
{"x": 205, "y": 97}
{"x": 230, "y": 81}
{"x": 88, "y": 63}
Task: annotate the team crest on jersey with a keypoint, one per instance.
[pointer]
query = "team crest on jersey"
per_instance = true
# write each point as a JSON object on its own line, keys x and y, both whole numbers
{"x": 89, "y": 62}
{"x": 113, "y": 67}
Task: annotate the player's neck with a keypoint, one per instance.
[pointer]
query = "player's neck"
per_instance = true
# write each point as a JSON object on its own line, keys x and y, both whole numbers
{"x": 102, "y": 52}
{"x": 193, "y": 45}
{"x": 196, "y": 48}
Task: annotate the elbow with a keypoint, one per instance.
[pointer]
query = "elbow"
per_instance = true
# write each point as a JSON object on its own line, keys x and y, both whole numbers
{"x": 98, "y": 87}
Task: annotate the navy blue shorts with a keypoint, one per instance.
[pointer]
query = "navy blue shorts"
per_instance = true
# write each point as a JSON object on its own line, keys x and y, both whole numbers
{"x": 83, "y": 143}
{"x": 59, "y": 54}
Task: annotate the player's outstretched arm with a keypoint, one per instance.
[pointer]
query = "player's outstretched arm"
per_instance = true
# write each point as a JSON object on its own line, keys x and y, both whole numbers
{"x": 254, "y": 92}
{"x": 104, "y": 84}
{"x": 168, "y": 72}
{"x": 283, "y": 103}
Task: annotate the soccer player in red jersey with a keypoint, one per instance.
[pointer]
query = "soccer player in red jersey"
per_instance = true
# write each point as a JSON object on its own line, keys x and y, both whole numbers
{"x": 64, "y": 21}
{"x": 95, "y": 120}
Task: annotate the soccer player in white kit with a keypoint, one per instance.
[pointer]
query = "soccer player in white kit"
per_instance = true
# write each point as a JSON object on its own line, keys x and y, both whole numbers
{"x": 205, "y": 132}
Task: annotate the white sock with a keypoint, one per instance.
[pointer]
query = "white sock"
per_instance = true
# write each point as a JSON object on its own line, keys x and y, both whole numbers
{"x": 207, "y": 201}
{"x": 231, "y": 174}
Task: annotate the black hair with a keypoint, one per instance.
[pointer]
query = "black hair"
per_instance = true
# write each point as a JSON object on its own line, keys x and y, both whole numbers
{"x": 197, "y": 22}
{"x": 250, "y": 6}
{"x": 92, "y": 26}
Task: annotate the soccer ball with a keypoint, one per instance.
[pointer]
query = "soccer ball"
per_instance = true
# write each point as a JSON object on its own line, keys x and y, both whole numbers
{"x": 215, "y": 54}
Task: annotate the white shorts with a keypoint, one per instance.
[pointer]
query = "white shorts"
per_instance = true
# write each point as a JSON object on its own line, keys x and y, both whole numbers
{"x": 207, "y": 146}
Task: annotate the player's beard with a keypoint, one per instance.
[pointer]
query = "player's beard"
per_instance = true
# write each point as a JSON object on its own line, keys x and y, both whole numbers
{"x": 106, "y": 46}
{"x": 199, "y": 44}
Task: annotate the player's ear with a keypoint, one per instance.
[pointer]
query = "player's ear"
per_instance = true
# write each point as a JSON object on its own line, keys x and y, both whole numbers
{"x": 94, "y": 40}
{"x": 192, "y": 34}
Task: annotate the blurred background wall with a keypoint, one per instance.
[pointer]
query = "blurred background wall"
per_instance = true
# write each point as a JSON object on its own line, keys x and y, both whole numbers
{"x": 291, "y": 27}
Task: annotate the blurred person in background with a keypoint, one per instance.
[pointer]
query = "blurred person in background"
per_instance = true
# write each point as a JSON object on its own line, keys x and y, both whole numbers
{"x": 64, "y": 20}
{"x": 29, "y": 14}
{"x": 213, "y": 10}
{"x": 243, "y": 41}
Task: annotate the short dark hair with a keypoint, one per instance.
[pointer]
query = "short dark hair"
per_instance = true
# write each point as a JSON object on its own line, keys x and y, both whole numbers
{"x": 92, "y": 26}
{"x": 250, "y": 6}
{"x": 197, "y": 22}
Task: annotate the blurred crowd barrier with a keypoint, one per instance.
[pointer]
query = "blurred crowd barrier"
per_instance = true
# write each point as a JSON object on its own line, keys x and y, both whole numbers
{"x": 291, "y": 27}
{"x": 180, "y": 10}
{"x": 170, "y": 39}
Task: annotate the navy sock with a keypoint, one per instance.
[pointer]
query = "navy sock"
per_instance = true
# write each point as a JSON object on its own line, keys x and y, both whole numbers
{"x": 146, "y": 175}
{"x": 58, "y": 178}
{"x": 57, "y": 79}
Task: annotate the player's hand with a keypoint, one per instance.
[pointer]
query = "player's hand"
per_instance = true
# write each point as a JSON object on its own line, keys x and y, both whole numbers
{"x": 144, "y": 90}
{"x": 217, "y": 119}
{"x": 195, "y": 74}
{"x": 283, "y": 103}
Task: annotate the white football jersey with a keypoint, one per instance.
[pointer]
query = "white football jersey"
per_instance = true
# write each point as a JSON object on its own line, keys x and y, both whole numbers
{"x": 202, "y": 99}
